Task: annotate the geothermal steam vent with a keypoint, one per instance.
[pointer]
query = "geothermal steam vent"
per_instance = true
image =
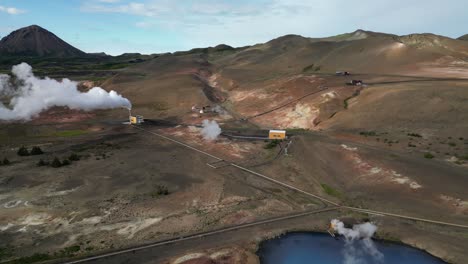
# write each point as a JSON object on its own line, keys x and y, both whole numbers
{"x": 29, "y": 95}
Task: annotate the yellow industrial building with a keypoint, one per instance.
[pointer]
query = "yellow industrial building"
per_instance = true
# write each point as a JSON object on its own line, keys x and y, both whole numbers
{"x": 135, "y": 120}
{"x": 277, "y": 134}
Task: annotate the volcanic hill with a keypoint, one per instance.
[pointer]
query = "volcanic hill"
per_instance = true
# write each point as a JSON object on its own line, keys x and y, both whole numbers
{"x": 36, "y": 41}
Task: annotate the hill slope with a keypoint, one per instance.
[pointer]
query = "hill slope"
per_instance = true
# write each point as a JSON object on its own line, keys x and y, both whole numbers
{"x": 464, "y": 37}
{"x": 36, "y": 41}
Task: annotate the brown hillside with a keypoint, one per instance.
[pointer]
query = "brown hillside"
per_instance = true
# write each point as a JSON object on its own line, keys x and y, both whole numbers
{"x": 250, "y": 81}
{"x": 464, "y": 37}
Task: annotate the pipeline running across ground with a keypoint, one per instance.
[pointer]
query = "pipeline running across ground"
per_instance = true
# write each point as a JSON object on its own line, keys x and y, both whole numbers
{"x": 334, "y": 206}
{"x": 356, "y": 209}
{"x": 203, "y": 234}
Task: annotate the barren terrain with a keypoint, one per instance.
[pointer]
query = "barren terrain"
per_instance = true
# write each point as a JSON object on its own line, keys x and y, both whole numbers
{"x": 397, "y": 144}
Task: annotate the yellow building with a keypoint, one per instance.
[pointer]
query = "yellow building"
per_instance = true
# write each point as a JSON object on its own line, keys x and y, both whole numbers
{"x": 277, "y": 134}
{"x": 134, "y": 120}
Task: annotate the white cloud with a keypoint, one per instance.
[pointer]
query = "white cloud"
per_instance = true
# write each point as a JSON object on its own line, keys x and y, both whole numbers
{"x": 109, "y": 1}
{"x": 244, "y": 22}
{"x": 173, "y": 9}
{"x": 144, "y": 24}
{"x": 11, "y": 10}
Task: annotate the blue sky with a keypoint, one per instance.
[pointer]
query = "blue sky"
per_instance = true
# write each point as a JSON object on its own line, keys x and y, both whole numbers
{"x": 154, "y": 26}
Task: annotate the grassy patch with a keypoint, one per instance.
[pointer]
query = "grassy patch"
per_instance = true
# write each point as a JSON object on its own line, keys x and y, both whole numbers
{"x": 307, "y": 68}
{"x": 157, "y": 106}
{"x": 38, "y": 257}
{"x": 428, "y": 156}
{"x": 311, "y": 67}
{"x": 296, "y": 130}
{"x": 69, "y": 251}
{"x": 368, "y": 133}
{"x": 414, "y": 135}
{"x": 70, "y": 133}
{"x": 345, "y": 101}
{"x": 5, "y": 253}
{"x": 160, "y": 190}
{"x": 330, "y": 190}
{"x": 272, "y": 144}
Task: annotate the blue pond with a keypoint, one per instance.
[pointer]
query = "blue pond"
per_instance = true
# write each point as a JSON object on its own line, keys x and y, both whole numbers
{"x": 311, "y": 248}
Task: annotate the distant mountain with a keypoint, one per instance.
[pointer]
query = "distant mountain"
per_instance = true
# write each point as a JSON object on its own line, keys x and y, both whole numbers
{"x": 464, "y": 37}
{"x": 36, "y": 41}
{"x": 98, "y": 54}
{"x": 356, "y": 35}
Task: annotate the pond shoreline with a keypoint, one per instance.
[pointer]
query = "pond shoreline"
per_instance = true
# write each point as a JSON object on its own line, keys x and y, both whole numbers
{"x": 263, "y": 245}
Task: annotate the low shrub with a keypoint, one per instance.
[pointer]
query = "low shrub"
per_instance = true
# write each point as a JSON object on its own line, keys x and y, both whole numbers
{"x": 160, "y": 190}
{"x": 272, "y": 144}
{"x": 36, "y": 151}
{"x": 5, "y": 162}
{"x": 56, "y": 163}
{"x": 428, "y": 156}
{"x": 368, "y": 133}
{"x": 74, "y": 157}
{"x": 23, "y": 151}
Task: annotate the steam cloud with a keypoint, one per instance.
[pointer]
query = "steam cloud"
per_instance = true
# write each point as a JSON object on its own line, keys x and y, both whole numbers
{"x": 218, "y": 109}
{"x": 210, "y": 130}
{"x": 358, "y": 242}
{"x": 30, "y": 95}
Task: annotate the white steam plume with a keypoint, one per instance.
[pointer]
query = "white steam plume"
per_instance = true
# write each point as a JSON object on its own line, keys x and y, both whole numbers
{"x": 358, "y": 242}
{"x": 210, "y": 130}
{"x": 219, "y": 110}
{"x": 32, "y": 95}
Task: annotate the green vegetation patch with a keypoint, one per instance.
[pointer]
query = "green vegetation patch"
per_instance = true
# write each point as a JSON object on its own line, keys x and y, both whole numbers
{"x": 57, "y": 163}
{"x": 69, "y": 251}
{"x": 5, "y": 253}
{"x": 70, "y": 133}
{"x": 38, "y": 257}
{"x": 428, "y": 156}
{"x": 272, "y": 144}
{"x": 308, "y": 68}
{"x": 312, "y": 67}
{"x": 368, "y": 133}
{"x": 296, "y": 130}
{"x": 414, "y": 135}
{"x": 5, "y": 162}
{"x": 160, "y": 190}
{"x": 331, "y": 191}
{"x": 36, "y": 151}
{"x": 23, "y": 151}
